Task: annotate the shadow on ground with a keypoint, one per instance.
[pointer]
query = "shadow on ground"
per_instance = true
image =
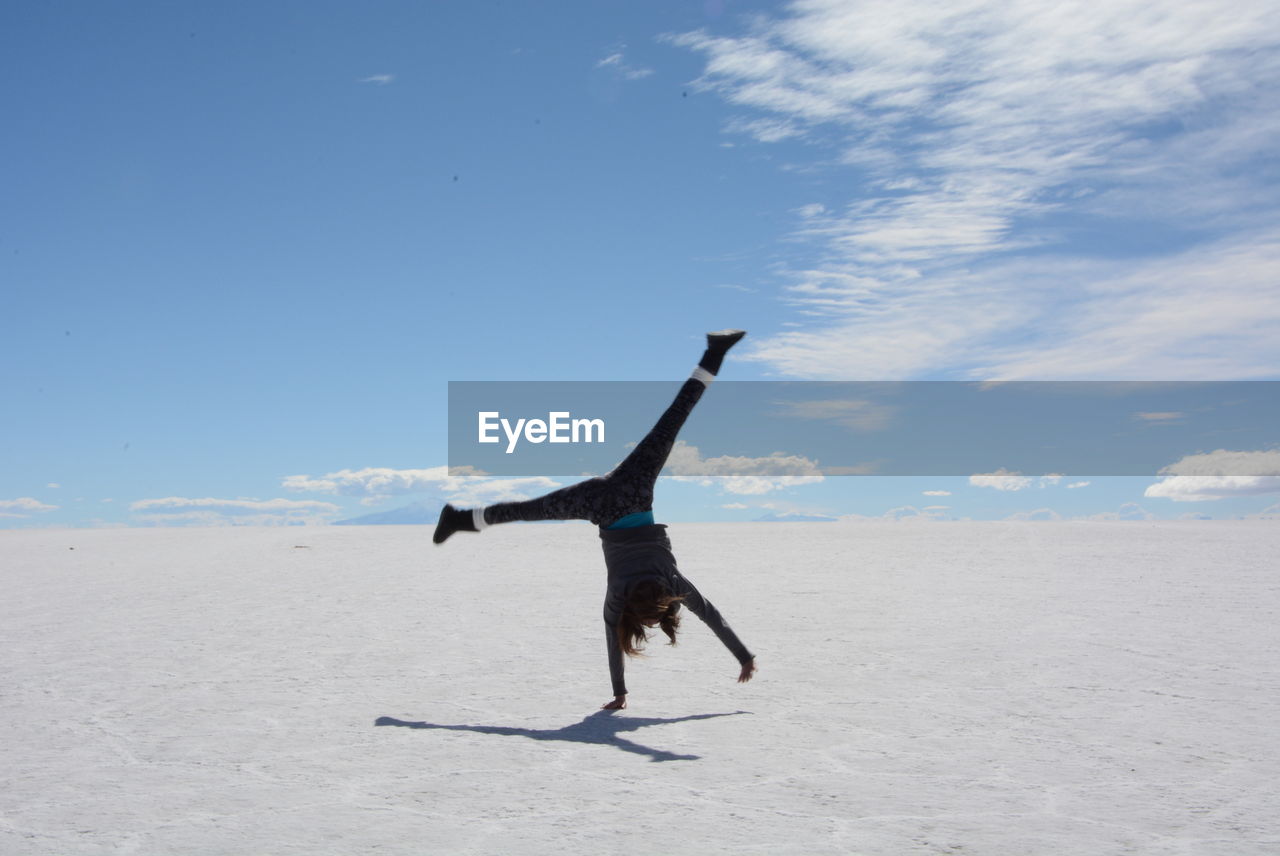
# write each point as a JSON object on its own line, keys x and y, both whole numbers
{"x": 603, "y": 727}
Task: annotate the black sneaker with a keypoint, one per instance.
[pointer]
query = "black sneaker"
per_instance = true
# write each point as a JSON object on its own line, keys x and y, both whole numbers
{"x": 452, "y": 520}
{"x": 723, "y": 340}
{"x": 718, "y": 344}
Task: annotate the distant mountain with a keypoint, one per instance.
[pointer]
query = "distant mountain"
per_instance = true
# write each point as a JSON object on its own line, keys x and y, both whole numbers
{"x": 794, "y": 517}
{"x": 414, "y": 513}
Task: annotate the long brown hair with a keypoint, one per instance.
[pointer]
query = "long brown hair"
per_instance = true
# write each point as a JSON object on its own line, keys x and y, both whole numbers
{"x": 647, "y": 602}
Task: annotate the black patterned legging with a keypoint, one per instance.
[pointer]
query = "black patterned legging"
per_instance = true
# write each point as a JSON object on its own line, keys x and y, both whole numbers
{"x": 627, "y": 489}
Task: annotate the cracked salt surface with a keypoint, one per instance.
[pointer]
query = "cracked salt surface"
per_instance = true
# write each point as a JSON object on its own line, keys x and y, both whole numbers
{"x": 981, "y": 688}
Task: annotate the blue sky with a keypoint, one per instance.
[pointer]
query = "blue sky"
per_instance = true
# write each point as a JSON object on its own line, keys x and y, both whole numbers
{"x": 244, "y": 247}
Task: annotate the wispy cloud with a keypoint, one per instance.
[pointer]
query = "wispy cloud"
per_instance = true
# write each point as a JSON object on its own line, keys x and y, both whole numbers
{"x": 378, "y": 79}
{"x": 973, "y": 132}
{"x": 616, "y": 63}
{"x": 24, "y": 506}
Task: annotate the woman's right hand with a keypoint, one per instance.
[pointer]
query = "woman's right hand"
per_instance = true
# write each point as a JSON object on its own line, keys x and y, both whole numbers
{"x": 618, "y": 703}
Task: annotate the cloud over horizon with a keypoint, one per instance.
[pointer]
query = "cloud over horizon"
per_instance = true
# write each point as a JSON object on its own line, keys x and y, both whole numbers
{"x": 376, "y": 484}
{"x": 24, "y": 506}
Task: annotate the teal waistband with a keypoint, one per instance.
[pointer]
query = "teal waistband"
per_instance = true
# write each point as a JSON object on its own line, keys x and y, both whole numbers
{"x": 640, "y": 518}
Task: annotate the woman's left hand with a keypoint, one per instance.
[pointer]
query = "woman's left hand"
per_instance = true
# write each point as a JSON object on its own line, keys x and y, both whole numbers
{"x": 748, "y": 669}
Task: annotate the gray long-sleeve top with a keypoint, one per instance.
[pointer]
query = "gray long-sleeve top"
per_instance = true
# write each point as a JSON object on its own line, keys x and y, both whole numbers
{"x": 644, "y": 552}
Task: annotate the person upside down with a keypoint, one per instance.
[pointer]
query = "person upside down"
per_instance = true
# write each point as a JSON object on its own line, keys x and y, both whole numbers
{"x": 645, "y": 587}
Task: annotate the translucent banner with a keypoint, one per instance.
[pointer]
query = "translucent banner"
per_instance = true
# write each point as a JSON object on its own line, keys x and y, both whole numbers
{"x": 779, "y": 428}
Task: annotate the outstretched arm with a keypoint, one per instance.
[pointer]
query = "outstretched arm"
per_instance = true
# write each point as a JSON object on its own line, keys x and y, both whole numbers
{"x": 615, "y": 668}
{"x": 711, "y": 616}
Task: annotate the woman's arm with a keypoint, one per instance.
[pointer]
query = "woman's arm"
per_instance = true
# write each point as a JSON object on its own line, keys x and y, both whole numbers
{"x": 711, "y": 616}
{"x": 616, "y": 673}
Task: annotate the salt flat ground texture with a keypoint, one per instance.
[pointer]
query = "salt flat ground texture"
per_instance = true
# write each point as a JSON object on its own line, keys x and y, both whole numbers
{"x": 978, "y": 688}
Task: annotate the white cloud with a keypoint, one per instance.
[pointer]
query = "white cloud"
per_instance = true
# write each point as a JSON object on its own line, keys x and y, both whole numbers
{"x": 53, "y": 485}
{"x": 1050, "y": 480}
{"x": 616, "y": 62}
{"x": 937, "y": 493}
{"x": 1149, "y": 319}
{"x": 379, "y": 79}
{"x": 1074, "y": 485}
{"x": 1210, "y": 488}
{"x": 741, "y": 475}
{"x": 210, "y": 511}
{"x": 370, "y": 481}
{"x": 765, "y": 130}
{"x": 467, "y": 486}
{"x": 24, "y": 506}
{"x": 1001, "y": 479}
{"x": 379, "y": 481}
{"x": 1159, "y": 416}
{"x": 1037, "y": 514}
{"x": 1219, "y": 474}
{"x": 973, "y": 128}
{"x": 735, "y": 506}
{"x": 490, "y": 490}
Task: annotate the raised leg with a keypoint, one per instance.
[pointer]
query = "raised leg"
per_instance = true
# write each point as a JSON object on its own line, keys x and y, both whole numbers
{"x": 575, "y": 502}
{"x": 625, "y": 490}
{"x": 638, "y": 472}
